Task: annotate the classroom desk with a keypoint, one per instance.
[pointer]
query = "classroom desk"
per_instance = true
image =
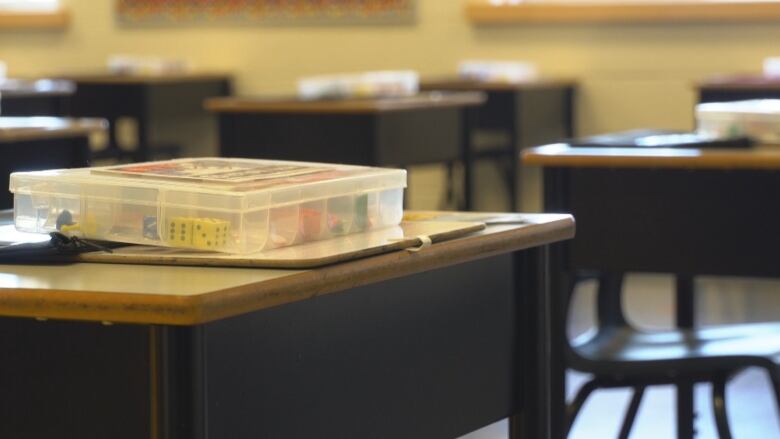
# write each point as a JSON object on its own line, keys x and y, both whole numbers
{"x": 682, "y": 211}
{"x": 36, "y": 143}
{"x": 402, "y": 131}
{"x": 41, "y": 97}
{"x": 725, "y": 88}
{"x": 434, "y": 343}
{"x": 529, "y": 113}
{"x": 150, "y": 100}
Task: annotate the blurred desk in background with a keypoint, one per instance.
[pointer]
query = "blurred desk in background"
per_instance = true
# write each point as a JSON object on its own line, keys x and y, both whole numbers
{"x": 39, "y": 97}
{"x": 400, "y": 131}
{"x": 527, "y": 113}
{"x": 37, "y": 143}
{"x": 153, "y": 103}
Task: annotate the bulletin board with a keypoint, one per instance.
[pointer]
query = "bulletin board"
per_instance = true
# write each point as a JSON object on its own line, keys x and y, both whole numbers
{"x": 264, "y": 11}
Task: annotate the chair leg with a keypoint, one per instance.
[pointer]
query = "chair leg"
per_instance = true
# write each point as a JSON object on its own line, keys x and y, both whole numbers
{"x": 719, "y": 407}
{"x": 633, "y": 408}
{"x": 573, "y": 409}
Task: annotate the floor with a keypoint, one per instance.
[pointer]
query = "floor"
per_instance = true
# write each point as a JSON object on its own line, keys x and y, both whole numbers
{"x": 752, "y": 410}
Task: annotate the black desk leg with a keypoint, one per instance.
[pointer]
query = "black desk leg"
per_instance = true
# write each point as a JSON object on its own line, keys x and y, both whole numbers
{"x": 113, "y": 150}
{"x": 468, "y": 123}
{"x": 179, "y": 382}
{"x": 514, "y": 169}
{"x": 569, "y": 112}
{"x": 685, "y": 319}
{"x": 533, "y": 362}
{"x": 561, "y": 281}
{"x": 543, "y": 287}
{"x": 143, "y": 150}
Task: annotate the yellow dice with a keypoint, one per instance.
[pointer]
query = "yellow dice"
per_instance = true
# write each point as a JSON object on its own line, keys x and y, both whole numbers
{"x": 180, "y": 231}
{"x": 209, "y": 233}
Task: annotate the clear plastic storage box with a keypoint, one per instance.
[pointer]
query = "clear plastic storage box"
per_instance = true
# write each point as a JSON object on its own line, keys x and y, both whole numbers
{"x": 217, "y": 204}
{"x": 756, "y": 118}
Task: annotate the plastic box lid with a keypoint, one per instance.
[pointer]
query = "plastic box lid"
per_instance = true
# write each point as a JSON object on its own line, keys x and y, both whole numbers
{"x": 217, "y": 183}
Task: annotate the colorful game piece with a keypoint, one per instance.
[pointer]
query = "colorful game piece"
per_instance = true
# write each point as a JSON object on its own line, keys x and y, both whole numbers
{"x": 150, "y": 228}
{"x": 310, "y": 223}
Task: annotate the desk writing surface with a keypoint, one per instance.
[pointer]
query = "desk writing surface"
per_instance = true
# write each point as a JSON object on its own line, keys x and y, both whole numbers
{"x": 422, "y": 101}
{"x": 562, "y": 155}
{"x": 144, "y": 79}
{"x": 13, "y": 129}
{"x": 740, "y": 82}
{"x": 194, "y": 295}
{"x": 455, "y": 83}
{"x": 149, "y": 279}
{"x": 39, "y": 87}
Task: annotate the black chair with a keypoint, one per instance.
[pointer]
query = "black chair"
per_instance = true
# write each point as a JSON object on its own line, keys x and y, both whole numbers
{"x": 619, "y": 355}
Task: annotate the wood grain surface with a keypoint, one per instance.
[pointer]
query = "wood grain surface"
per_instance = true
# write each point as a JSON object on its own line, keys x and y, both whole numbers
{"x": 562, "y": 155}
{"x": 489, "y": 12}
{"x": 455, "y": 83}
{"x": 162, "y": 78}
{"x": 420, "y": 101}
{"x": 14, "y": 129}
{"x": 740, "y": 82}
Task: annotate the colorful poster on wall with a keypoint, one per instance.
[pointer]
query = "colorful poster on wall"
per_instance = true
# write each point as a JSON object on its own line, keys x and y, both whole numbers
{"x": 264, "y": 11}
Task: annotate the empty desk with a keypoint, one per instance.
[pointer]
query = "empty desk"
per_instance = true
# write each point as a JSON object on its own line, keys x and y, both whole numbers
{"x": 41, "y": 97}
{"x": 681, "y": 211}
{"x": 154, "y": 102}
{"x": 402, "y": 131}
{"x": 528, "y": 113}
{"x": 433, "y": 343}
{"x": 36, "y": 143}
{"x": 726, "y": 88}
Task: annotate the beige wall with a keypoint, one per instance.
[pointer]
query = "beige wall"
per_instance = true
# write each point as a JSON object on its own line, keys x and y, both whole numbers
{"x": 631, "y": 75}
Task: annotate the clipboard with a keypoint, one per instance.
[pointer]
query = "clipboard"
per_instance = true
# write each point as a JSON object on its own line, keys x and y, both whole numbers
{"x": 408, "y": 235}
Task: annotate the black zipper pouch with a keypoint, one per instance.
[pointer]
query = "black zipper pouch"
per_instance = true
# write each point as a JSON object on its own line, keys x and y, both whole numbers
{"x": 59, "y": 248}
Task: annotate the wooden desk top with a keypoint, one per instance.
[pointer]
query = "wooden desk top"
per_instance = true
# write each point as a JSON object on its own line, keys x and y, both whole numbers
{"x": 455, "y": 83}
{"x": 740, "y": 82}
{"x": 563, "y": 155}
{"x": 15, "y": 129}
{"x": 417, "y": 102}
{"x": 194, "y": 295}
{"x": 144, "y": 79}
{"x": 17, "y": 88}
